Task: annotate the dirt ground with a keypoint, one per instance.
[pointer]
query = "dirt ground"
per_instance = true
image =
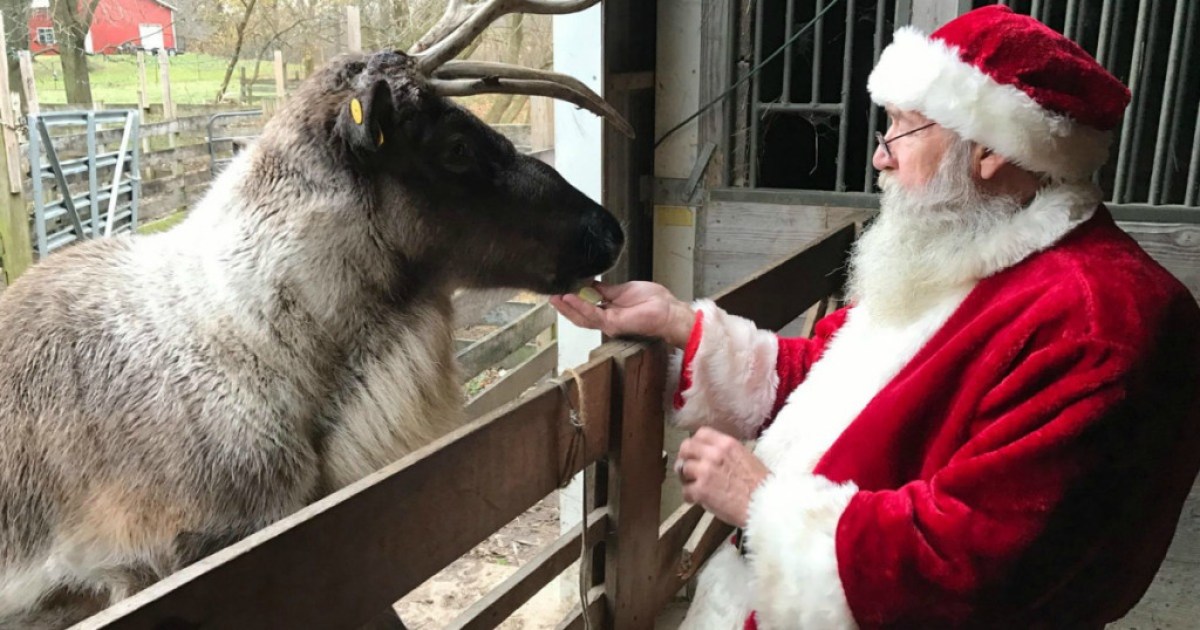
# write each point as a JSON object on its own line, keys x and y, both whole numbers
{"x": 440, "y": 600}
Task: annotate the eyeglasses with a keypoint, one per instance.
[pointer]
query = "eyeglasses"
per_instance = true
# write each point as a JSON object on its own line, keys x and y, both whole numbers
{"x": 883, "y": 142}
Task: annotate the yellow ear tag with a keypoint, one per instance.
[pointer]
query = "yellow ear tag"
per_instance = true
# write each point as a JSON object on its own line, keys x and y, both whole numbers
{"x": 381, "y": 138}
{"x": 356, "y": 111}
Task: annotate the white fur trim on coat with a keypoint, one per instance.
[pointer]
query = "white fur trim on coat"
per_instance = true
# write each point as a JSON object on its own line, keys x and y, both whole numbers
{"x": 723, "y": 593}
{"x": 916, "y": 73}
{"x": 733, "y": 375}
{"x": 793, "y": 554}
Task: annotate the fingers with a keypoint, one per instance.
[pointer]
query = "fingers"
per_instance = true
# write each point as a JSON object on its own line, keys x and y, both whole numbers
{"x": 578, "y": 312}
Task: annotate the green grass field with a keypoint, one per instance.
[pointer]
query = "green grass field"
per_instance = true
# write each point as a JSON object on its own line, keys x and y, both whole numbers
{"x": 194, "y": 78}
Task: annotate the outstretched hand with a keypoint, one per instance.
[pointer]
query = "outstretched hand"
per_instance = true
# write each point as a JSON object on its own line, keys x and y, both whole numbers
{"x": 644, "y": 309}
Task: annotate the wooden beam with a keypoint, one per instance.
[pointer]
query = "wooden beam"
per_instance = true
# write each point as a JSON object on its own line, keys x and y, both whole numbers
{"x": 337, "y": 562}
{"x": 595, "y": 611}
{"x": 12, "y": 144}
{"x": 164, "y": 75}
{"x": 353, "y": 29}
{"x": 28, "y": 82}
{"x": 502, "y": 601}
{"x": 16, "y": 250}
{"x": 810, "y": 274}
{"x": 514, "y": 383}
{"x": 280, "y": 77}
{"x": 488, "y": 351}
{"x": 635, "y": 482}
{"x": 143, "y": 94}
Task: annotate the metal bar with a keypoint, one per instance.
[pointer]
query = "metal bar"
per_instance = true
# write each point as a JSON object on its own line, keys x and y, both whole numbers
{"x": 1139, "y": 117}
{"x": 872, "y": 108}
{"x": 1115, "y": 41}
{"x": 68, "y": 202}
{"x": 116, "y": 181}
{"x": 1135, "y": 76}
{"x": 53, "y": 119}
{"x": 789, "y": 53}
{"x": 755, "y": 96}
{"x": 1194, "y": 168}
{"x": 39, "y": 198}
{"x": 802, "y": 108}
{"x": 93, "y": 181}
{"x": 1105, "y": 27}
{"x": 1069, "y": 21}
{"x": 135, "y": 173}
{"x": 818, "y": 38}
{"x": 844, "y": 123}
{"x": 1189, "y": 40}
{"x": 903, "y": 13}
{"x": 1160, "y": 143}
{"x": 1036, "y": 10}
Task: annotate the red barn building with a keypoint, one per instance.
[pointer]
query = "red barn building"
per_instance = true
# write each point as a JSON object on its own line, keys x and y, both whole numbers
{"x": 148, "y": 24}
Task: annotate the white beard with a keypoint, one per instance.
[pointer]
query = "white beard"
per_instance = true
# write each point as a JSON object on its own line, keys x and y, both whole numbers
{"x": 926, "y": 244}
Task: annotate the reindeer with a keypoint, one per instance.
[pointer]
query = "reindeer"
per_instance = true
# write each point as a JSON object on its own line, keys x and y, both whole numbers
{"x": 162, "y": 396}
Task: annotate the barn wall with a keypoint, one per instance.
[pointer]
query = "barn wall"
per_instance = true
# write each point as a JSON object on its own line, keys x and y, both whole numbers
{"x": 116, "y": 22}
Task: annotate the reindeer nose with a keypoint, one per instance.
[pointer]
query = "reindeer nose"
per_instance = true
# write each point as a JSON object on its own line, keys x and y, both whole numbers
{"x": 600, "y": 241}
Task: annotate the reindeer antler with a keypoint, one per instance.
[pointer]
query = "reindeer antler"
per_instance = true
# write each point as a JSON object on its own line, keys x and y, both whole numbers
{"x": 462, "y": 23}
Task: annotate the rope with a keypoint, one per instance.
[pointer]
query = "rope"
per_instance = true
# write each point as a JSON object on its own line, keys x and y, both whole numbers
{"x": 578, "y": 442}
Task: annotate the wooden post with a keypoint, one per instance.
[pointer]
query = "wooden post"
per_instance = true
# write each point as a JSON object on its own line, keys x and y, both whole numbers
{"x": 14, "y": 219}
{"x": 280, "y": 78}
{"x": 143, "y": 95}
{"x": 8, "y": 118}
{"x": 243, "y": 87}
{"x": 28, "y": 84}
{"x": 635, "y": 477}
{"x": 164, "y": 72}
{"x": 353, "y": 29}
{"x": 541, "y": 123}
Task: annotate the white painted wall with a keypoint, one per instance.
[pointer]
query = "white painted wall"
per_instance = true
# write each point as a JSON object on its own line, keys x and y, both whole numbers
{"x": 677, "y": 96}
{"x": 578, "y": 44}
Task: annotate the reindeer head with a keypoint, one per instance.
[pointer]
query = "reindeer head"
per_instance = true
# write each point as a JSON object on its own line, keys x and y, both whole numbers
{"x": 441, "y": 186}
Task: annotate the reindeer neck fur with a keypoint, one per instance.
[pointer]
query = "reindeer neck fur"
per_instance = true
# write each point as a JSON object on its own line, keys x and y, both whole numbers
{"x": 281, "y": 233}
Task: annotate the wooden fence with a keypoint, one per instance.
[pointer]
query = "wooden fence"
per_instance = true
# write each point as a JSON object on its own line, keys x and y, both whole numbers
{"x": 343, "y": 561}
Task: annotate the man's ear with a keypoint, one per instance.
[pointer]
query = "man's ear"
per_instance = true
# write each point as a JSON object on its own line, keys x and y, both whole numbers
{"x": 368, "y": 118}
{"x": 989, "y": 163}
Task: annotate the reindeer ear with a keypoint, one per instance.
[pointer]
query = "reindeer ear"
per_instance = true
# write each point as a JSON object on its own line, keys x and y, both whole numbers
{"x": 367, "y": 119}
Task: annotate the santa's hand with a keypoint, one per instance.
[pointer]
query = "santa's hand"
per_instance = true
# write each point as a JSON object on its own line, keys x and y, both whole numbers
{"x": 719, "y": 473}
{"x": 635, "y": 308}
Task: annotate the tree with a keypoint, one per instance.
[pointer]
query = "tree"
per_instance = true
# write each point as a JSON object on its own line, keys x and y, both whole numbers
{"x": 16, "y": 34}
{"x": 72, "y": 21}
{"x": 237, "y": 46}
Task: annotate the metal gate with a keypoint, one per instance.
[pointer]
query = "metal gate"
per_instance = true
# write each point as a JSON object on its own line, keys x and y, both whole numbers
{"x": 93, "y": 195}
{"x": 237, "y": 142}
{"x": 811, "y": 125}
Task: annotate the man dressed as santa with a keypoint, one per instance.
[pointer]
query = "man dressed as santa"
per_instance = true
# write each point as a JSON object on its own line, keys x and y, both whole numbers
{"x": 1000, "y": 431}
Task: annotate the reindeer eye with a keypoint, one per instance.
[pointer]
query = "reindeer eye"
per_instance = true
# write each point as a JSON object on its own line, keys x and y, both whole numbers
{"x": 457, "y": 157}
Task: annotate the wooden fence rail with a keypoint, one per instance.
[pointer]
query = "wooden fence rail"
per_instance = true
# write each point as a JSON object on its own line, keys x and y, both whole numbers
{"x": 342, "y": 560}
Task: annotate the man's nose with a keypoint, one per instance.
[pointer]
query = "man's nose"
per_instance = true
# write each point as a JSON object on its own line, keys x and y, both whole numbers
{"x": 881, "y": 160}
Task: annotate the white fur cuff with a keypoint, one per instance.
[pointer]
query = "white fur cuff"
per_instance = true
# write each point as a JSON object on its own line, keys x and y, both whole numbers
{"x": 733, "y": 378}
{"x": 793, "y": 554}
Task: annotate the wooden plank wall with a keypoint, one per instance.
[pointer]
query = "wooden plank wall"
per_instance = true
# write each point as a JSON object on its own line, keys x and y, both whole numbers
{"x": 738, "y": 237}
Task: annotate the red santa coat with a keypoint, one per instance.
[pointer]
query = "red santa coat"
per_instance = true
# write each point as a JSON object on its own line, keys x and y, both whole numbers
{"x": 1018, "y": 457}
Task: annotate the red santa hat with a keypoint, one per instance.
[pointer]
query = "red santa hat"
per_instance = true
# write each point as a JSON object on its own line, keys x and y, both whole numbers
{"x": 1010, "y": 83}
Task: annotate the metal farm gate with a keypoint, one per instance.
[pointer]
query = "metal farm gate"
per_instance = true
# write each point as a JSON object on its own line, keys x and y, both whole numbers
{"x": 94, "y": 192}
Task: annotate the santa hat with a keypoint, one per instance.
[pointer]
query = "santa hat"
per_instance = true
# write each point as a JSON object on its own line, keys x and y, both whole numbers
{"x": 1010, "y": 83}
